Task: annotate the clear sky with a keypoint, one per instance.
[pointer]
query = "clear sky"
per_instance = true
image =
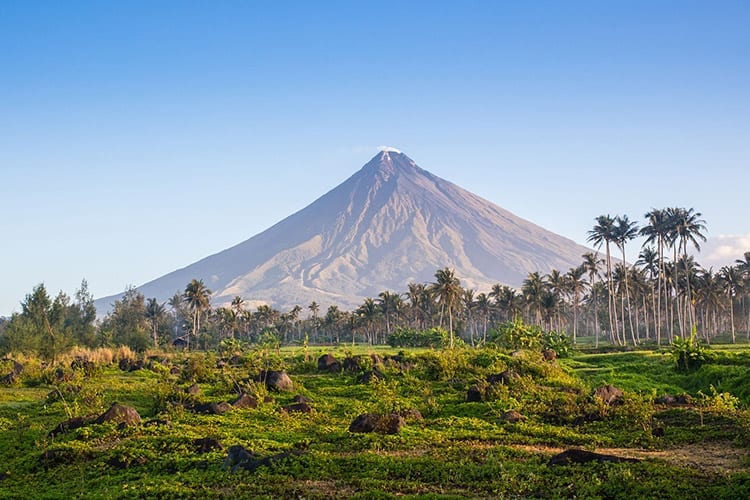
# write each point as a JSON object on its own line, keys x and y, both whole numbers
{"x": 137, "y": 137}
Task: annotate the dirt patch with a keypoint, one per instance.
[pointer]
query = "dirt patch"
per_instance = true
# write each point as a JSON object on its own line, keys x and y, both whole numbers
{"x": 709, "y": 458}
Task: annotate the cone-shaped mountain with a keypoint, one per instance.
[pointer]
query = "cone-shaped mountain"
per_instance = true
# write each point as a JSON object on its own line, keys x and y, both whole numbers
{"x": 389, "y": 224}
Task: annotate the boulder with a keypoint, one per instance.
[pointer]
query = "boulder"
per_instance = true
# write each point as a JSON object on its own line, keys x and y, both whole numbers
{"x": 411, "y": 415}
{"x": 371, "y": 375}
{"x": 382, "y": 424}
{"x": 276, "y": 380}
{"x": 299, "y": 398}
{"x": 238, "y": 458}
{"x": 475, "y": 394}
{"x": 120, "y": 414}
{"x": 549, "y": 355}
{"x": 204, "y": 445}
{"x": 72, "y": 424}
{"x": 328, "y": 363}
{"x": 502, "y": 377}
{"x": 212, "y": 408}
{"x": 352, "y": 363}
{"x": 609, "y": 394}
{"x": 193, "y": 390}
{"x": 363, "y": 423}
{"x": 300, "y": 407}
{"x": 245, "y": 401}
{"x": 512, "y": 417}
{"x": 578, "y": 456}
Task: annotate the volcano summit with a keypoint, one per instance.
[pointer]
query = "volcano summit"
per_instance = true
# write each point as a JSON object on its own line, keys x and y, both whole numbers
{"x": 389, "y": 224}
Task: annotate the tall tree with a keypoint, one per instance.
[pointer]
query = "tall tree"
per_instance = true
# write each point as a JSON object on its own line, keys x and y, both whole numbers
{"x": 198, "y": 298}
{"x": 624, "y": 231}
{"x": 154, "y": 313}
{"x": 603, "y": 233}
{"x": 447, "y": 292}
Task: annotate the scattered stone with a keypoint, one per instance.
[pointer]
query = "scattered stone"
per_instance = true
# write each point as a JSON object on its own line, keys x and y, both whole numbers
{"x": 212, "y": 408}
{"x": 299, "y": 398}
{"x": 72, "y": 424}
{"x": 512, "y": 417}
{"x": 193, "y": 390}
{"x": 276, "y": 380}
{"x": 371, "y": 375}
{"x": 157, "y": 422}
{"x": 238, "y": 458}
{"x": 610, "y": 394}
{"x": 502, "y": 377}
{"x": 204, "y": 445}
{"x": 549, "y": 355}
{"x": 175, "y": 370}
{"x": 301, "y": 407}
{"x": 120, "y": 414}
{"x": 667, "y": 399}
{"x": 245, "y": 401}
{"x": 382, "y": 424}
{"x": 352, "y": 363}
{"x": 328, "y": 363}
{"x": 578, "y": 456}
{"x": 475, "y": 394}
{"x": 411, "y": 415}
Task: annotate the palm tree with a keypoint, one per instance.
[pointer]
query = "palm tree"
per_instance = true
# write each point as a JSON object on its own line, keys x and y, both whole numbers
{"x": 484, "y": 307}
{"x": 743, "y": 266}
{"x": 198, "y": 299}
{"x": 556, "y": 286}
{"x": 534, "y": 290}
{"x": 603, "y": 233}
{"x": 447, "y": 292}
{"x": 576, "y": 286}
{"x": 657, "y": 231}
{"x": 367, "y": 314}
{"x": 467, "y": 300}
{"x": 591, "y": 262}
{"x": 154, "y": 312}
{"x": 731, "y": 279}
{"x": 689, "y": 229}
{"x": 624, "y": 231}
{"x": 388, "y": 302}
{"x": 648, "y": 259}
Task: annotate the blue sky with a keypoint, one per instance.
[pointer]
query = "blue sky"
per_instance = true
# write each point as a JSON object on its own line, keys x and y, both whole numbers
{"x": 138, "y": 137}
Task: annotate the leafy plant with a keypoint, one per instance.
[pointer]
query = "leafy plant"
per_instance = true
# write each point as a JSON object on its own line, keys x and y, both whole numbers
{"x": 688, "y": 354}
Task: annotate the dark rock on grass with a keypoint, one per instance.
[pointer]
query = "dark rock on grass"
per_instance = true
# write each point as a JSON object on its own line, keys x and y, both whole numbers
{"x": 411, "y": 415}
{"x": 578, "y": 456}
{"x": 212, "y": 408}
{"x": 72, "y": 424}
{"x": 352, "y": 363}
{"x": 512, "y": 417}
{"x": 60, "y": 456}
{"x": 382, "y": 424}
{"x": 610, "y": 394}
{"x": 193, "y": 390}
{"x": 658, "y": 432}
{"x": 328, "y": 363}
{"x": 502, "y": 377}
{"x": 299, "y": 398}
{"x": 475, "y": 394}
{"x": 120, "y": 414}
{"x": 276, "y": 380}
{"x": 245, "y": 401}
{"x": 204, "y": 445}
{"x": 175, "y": 370}
{"x": 157, "y": 422}
{"x": 371, "y": 375}
{"x": 238, "y": 458}
{"x": 301, "y": 407}
{"x": 549, "y": 355}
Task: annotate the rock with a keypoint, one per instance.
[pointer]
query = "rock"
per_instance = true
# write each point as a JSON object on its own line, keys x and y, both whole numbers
{"x": 475, "y": 394}
{"x": 666, "y": 400}
{"x": 193, "y": 390}
{"x": 238, "y": 458}
{"x": 124, "y": 364}
{"x": 658, "y": 432}
{"x": 328, "y": 363}
{"x": 363, "y": 423}
{"x": 578, "y": 456}
{"x": 411, "y": 415}
{"x": 352, "y": 363}
{"x": 503, "y": 377}
{"x": 609, "y": 394}
{"x": 301, "y": 407}
{"x": 212, "y": 408}
{"x": 371, "y": 375}
{"x": 512, "y": 417}
{"x": 72, "y": 424}
{"x": 245, "y": 401}
{"x": 175, "y": 370}
{"x": 299, "y": 398}
{"x": 382, "y": 424}
{"x": 549, "y": 355}
{"x": 276, "y": 380}
{"x": 204, "y": 445}
{"x": 120, "y": 414}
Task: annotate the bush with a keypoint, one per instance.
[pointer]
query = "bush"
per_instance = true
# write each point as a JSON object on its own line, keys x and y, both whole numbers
{"x": 558, "y": 342}
{"x": 688, "y": 354}
{"x": 518, "y": 335}
{"x": 411, "y": 337}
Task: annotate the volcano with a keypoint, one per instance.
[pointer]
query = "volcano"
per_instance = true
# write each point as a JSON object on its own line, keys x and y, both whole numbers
{"x": 389, "y": 224}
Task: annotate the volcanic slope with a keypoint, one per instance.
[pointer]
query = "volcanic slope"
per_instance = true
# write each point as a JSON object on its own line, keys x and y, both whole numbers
{"x": 389, "y": 224}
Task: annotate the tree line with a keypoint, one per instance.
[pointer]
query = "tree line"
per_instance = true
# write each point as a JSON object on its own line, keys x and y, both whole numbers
{"x": 665, "y": 293}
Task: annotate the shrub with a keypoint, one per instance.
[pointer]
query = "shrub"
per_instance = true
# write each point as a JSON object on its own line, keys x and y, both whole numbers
{"x": 518, "y": 335}
{"x": 688, "y": 354}
{"x": 558, "y": 342}
{"x": 411, "y": 337}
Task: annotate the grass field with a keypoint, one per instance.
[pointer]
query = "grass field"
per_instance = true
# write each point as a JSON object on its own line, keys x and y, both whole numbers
{"x": 448, "y": 447}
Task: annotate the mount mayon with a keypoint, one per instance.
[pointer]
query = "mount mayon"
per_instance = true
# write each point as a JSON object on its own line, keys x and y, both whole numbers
{"x": 389, "y": 224}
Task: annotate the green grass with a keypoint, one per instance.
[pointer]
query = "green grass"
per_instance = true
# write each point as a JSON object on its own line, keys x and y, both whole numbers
{"x": 458, "y": 450}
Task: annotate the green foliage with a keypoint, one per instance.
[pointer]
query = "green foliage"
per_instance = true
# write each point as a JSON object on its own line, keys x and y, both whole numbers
{"x": 688, "y": 354}
{"x": 410, "y": 337}
{"x": 558, "y": 342}
{"x": 518, "y": 335}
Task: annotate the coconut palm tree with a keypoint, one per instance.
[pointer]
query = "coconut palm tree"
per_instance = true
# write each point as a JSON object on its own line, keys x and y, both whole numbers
{"x": 743, "y": 266}
{"x": 484, "y": 308}
{"x": 447, "y": 293}
{"x": 388, "y": 302}
{"x": 198, "y": 299}
{"x": 577, "y": 287}
{"x": 624, "y": 231}
{"x": 657, "y": 231}
{"x": 591, "y": 263}
{"x": 154, "y": 312}
{"x": 689, "y": 229}
{"x": 534, "y": 290}
{"x": 603, "y": 233}
{"x": 731, "y": 281}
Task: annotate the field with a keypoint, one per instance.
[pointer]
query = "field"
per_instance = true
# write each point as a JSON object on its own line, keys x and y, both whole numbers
{"x": 669, "y": 434}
